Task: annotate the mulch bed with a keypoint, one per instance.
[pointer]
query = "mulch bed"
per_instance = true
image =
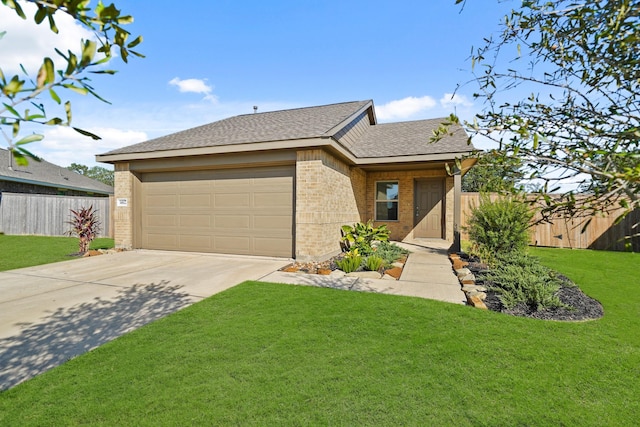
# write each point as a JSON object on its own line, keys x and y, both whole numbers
{"x": 582, "y": 306}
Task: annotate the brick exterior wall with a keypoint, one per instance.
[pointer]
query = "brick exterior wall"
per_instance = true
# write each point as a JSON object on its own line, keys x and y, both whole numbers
{"x": 403, "y": 228}
{"x": 329, "y": 194}
{"x": 123, "y": 215}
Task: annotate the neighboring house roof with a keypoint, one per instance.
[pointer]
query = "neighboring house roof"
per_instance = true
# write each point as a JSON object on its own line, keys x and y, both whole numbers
{"x": 47, "y": 174}
{"x": 339, "y": 125}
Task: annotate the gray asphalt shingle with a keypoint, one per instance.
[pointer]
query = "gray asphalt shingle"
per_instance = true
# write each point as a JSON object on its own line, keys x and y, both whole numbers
{"x": 408, "y": 139}
{"x": 48, "y": 174}
{"x": 379, "y": 140}
{"x": 299, "y": 123}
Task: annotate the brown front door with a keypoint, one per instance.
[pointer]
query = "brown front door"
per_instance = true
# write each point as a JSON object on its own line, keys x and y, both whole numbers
{"x": 428, "y": 208}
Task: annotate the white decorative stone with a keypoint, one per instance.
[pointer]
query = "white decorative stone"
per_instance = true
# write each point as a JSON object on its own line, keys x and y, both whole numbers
{"x": 462, "y": 272}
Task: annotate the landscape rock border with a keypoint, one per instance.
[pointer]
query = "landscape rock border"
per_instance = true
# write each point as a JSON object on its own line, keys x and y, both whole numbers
{"x": 329, "y": 267}
{"x": 583, "y": 306}
{"x": 475, "y": 294}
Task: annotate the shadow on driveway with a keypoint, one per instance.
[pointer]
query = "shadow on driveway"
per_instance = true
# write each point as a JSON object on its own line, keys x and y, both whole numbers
{"x": 69, "y": 332}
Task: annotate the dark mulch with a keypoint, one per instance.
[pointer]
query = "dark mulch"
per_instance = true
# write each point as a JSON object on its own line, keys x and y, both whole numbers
{"x": 582, "y": 307}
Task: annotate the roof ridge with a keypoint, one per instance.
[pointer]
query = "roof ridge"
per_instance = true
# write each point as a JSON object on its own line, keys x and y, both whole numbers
{"x": 302, "y": 108}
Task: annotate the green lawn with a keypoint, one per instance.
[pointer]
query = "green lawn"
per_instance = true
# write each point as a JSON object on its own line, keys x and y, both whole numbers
{"x": 269, "y": 354}
{"x": 26, "y": 251}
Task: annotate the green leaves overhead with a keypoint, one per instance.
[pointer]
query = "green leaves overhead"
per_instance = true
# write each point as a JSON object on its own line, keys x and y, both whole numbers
{"x": 106, "y": 22}
{"x": 46, "y": 74}
{"x": 576, "y": 129}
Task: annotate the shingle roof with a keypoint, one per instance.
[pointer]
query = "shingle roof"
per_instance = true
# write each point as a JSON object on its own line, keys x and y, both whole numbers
{"x": 299, "y": 123}
{"x": 409, "y": 138}
{"x": 374, "y": 141}
{"x": 48, "y": 174}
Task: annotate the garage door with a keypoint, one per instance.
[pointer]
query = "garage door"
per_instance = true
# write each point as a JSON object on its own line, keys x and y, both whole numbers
{"x": 239, "y": 211}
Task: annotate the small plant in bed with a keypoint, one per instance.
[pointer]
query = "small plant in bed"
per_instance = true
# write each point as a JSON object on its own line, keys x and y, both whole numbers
{"x": 390, "y": 253}
{"x": 373, "y": 262}
{"x": 85, "y": 225}
{"x": 351, "y": 261}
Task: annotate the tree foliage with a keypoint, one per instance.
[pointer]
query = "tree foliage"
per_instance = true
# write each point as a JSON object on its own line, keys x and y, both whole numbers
{"x": 561, "y": 87}
{"x": 31, "y": 87}
{"x": 493, "y": 173}
{"x": 98, "y": 173}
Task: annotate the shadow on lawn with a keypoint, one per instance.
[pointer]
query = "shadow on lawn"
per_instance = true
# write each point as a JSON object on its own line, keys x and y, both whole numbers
{"x": 69, "y": 332}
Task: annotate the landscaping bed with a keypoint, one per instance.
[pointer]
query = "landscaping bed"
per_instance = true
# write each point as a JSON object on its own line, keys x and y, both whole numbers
{"x": 329, "y": 266}
{"x": 576, "y": 305}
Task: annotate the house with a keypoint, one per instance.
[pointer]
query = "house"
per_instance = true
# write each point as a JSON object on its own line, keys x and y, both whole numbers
{"x": 42, "y": 177}
{"x": 282, "y": 183}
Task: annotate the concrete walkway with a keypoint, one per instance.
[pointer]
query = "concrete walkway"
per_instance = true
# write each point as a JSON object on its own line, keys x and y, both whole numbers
{"x": 426, "y": 274}
{"x": 53, "y": 312}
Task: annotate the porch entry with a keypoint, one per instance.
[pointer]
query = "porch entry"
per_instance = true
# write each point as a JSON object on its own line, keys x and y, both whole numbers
{"x": 428, "y": 208}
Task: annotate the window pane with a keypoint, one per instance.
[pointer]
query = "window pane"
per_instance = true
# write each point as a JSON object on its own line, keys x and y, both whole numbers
{"x": 386, "y": 191}
{"x": 386, "y": 211}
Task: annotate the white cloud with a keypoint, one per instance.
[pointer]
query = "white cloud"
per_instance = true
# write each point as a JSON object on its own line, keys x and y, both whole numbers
{"x": 194, "y": 86}
{"x": 404, "y": 108}
{"x": 450, "y": 100}
{"x": 27, "y": 43}
{"x": 63, "y": 145}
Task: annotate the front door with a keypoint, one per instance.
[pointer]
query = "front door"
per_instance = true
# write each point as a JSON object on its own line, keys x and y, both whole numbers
{"x": 428, "y": 208}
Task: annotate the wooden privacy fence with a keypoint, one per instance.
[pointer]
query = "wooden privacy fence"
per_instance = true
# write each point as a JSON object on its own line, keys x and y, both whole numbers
{"x": 46, "y": 215}
{"x": 602, "y": 233}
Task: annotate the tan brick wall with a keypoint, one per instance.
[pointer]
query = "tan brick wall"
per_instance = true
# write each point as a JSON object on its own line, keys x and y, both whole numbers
{"x": 123, "y": 215}
{"x": 329, "y": 194}
{"x": 403, "y": 228}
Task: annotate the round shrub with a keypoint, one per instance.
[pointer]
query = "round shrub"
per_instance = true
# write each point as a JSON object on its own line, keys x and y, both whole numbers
{"x": 499, "y": 226}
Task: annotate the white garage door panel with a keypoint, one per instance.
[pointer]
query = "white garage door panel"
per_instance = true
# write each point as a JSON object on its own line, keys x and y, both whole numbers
{"x": 240, "y": 211}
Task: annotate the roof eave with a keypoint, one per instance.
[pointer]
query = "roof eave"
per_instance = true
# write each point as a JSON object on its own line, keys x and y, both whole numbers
{"x": 221, "y": 149}
{"x": 296, "y": 144}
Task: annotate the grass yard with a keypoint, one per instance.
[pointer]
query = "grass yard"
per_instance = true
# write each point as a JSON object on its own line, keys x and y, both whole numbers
{"x": 26, "y": 251}
{"x": 269, "y": 354}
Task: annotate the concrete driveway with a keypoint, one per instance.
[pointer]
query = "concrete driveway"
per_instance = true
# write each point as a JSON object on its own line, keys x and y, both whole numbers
{"x": 53, "y": 312}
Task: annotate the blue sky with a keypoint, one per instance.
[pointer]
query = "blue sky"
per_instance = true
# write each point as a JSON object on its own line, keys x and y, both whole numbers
{"x": 207, "y": 60}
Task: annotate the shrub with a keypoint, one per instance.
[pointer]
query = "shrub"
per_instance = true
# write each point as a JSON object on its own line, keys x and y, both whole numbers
{"x": 520, "y": 279}
{"x": 499, "y": 226}
{"x": 390, "y": 252}
{"x": 373, "y": 262}
{"x": 361, "y": 235}
{"x": 85, "y": 225}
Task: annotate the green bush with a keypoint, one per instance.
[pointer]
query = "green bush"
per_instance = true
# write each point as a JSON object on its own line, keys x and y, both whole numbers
{"x": 361, "y": 235}
{"x": 520, "y": 279}
{"x": 373, "y": 262}
{"x": 500, "y": 226}
{"x": 390, "y": 252}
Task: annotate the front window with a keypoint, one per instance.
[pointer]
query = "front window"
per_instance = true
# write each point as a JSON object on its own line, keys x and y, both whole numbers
{"x": 387, "y": 201}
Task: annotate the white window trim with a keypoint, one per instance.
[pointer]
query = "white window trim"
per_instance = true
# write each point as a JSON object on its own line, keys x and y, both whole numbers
{"x": 376, "y": 201}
